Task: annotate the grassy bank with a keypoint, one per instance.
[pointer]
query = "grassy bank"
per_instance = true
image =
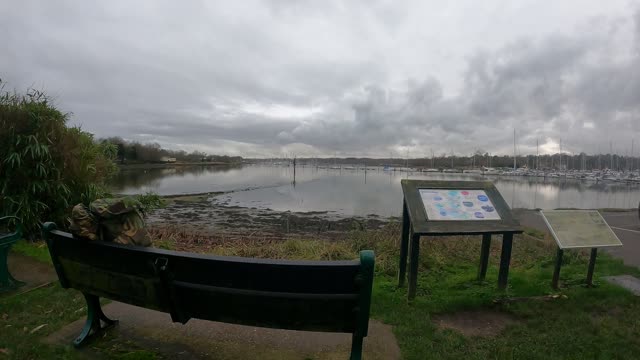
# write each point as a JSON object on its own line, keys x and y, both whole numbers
{"x": 573, "y": 323}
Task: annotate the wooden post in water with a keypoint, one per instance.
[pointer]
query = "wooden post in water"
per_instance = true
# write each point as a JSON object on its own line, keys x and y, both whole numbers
{"x": 294, "y": 171}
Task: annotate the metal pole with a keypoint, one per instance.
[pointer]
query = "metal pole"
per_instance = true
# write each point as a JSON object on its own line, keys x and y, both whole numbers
{"x": 592, "y": 265}
{"x": 505, "y": 260}
{"x": 484, "y": 256}
{"x": 404, "y": 245}
{"x": 413, "y": 266}
{"x": 556, "y": 269}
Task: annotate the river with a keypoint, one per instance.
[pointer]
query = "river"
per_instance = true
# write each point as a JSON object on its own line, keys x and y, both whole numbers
{"x": 356, "y": 192}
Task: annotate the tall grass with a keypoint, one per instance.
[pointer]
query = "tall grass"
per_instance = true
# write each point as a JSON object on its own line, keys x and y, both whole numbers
{"x": 437, "y": 253}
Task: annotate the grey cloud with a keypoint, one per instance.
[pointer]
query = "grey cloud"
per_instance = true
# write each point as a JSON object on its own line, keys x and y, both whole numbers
{"x": 240, "y": 78}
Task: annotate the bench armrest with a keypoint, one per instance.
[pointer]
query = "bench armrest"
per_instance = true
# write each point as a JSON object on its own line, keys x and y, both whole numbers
{"x": 365, "y": 278}
{"x": 10, "y": 238}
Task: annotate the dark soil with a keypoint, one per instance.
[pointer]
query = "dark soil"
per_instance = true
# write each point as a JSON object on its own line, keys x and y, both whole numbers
{"x": 475, "y": 323}
{"x": 201, "y": 214}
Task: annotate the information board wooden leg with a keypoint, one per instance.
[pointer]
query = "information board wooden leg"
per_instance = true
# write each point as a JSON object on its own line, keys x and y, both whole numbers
{"x": 413, "y": 265}
{"x": 404, "y": 245}
{"x": 484, "y": 256}
{"x": 556, "y": 269}
{"x": 592, "y": 265}
{"x": 505, "y": 260}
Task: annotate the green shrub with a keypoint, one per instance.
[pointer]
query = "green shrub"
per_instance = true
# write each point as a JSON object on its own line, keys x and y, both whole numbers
{"x": 151, "y": 201}
{"x": 46, "y": 167}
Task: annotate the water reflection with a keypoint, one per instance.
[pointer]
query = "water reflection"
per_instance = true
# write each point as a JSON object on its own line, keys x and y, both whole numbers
{"x": 176, "y": 180}
{"x": 359, "y": 192}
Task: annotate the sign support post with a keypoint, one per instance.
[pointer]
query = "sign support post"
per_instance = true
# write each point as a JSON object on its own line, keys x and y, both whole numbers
{"x": 484, "y": 256}
{"x": 556, "y": 269}
{"x": 592, "y": 265}
{"x": 404, "y": 245}
{"x": 505, "y": 260}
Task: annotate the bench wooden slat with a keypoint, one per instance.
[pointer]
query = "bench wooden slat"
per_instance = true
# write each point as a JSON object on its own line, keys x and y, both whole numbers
{"x": 266, "y": 294}
{"x": 336, "y": 315}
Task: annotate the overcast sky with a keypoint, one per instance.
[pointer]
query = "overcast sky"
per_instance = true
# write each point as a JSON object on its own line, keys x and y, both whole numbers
{"x": 355, "y": 78}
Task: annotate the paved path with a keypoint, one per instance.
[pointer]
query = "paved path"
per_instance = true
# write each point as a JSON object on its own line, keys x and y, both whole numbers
{"x": 30, "y": 271}
{"x": 625, "y": 224}
{"x": 198, "y": 339}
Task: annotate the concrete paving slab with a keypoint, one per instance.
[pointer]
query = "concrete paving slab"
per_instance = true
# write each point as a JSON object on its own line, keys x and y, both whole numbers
{"x": 199, "y": 339}
{"x": 628, "y": 282}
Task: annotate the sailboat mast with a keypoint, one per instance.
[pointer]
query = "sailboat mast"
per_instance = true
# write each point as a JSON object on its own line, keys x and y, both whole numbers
{"x": 432, "y": 158}
{"x": 560, "y": 154}
{"x": 632, "y": 155}
{"x": 611, "y": 154}
{"x": 514, "y": 149}
{"x": 537, "y": 155}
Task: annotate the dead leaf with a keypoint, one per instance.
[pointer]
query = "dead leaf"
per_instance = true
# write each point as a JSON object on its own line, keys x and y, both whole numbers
{"x": 37, "y": 328}
{"x": 4, "y": 351}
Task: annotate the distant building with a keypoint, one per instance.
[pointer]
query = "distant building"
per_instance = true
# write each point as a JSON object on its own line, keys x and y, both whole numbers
{"x": 167, "y": 159}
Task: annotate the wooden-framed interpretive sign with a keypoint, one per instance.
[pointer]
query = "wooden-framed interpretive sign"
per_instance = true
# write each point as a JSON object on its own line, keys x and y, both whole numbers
{"x": 579, "y": 229}
{"x": 443, "y": 208}
{"x": 576, "y": 229}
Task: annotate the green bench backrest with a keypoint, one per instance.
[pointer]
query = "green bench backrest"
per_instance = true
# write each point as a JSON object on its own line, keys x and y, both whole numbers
{"x": 301, "y": 295}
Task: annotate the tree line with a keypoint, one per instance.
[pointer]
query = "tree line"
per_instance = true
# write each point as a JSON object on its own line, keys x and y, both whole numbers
{"x": 136, "y": 152}
{"x": 556, "y": 161}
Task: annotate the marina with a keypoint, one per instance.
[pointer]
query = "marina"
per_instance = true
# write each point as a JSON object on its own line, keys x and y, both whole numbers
{"x": 358, "y": 190}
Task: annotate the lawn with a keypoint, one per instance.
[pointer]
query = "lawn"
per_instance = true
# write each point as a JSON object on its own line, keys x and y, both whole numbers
{"x": 574, "y": 322}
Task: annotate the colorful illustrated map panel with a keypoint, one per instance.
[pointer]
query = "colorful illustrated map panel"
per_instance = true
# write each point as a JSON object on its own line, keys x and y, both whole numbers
{"x": 580, "y": 228}
{"x": 458, "y": 205}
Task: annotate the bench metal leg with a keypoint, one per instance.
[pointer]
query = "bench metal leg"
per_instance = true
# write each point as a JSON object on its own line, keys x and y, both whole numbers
{"x": 356, "y": 347}
{"x": 7, "y": 282}
{"x": 95, "y": 318}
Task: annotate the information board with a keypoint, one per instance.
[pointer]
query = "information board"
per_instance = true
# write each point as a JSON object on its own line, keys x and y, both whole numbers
{"x": 458, "y": 205}
{"x": 580, "y": 229}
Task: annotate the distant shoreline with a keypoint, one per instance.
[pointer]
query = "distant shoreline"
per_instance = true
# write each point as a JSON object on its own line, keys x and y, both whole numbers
{"x": 140, "y": 166}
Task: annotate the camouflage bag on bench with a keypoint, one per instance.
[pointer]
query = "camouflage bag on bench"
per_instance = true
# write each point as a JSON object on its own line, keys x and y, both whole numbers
{"x": 119, "y": 220}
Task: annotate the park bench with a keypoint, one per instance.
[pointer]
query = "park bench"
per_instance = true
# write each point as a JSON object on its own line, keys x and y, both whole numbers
{"x": 7, "y": 282}
{"x": 330, "y": 296}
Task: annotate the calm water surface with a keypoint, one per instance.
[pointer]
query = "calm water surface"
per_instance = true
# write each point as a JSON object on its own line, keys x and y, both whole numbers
{"x": 352, "y": 192}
